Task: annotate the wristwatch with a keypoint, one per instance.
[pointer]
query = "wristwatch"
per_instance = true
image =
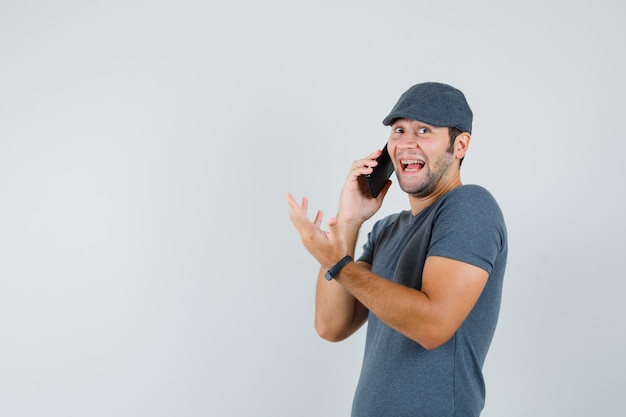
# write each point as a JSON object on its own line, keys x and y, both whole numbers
{"x": 334, "y": 271}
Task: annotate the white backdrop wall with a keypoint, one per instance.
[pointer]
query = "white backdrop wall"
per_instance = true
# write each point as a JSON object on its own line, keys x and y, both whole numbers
{"x": 147, "y": 263}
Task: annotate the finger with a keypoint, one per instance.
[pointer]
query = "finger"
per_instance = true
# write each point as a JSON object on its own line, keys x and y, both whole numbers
{"x": 366, "y": 165}
{"x": 293, "y": 204}
{"x": 290, "y": 199}
{"x": 332, "y": 227}
{"x": 362, "y": 167}
{"x": 295, "y": 210}
{"x": 370, "y": 160}
{"x": 375, "y": 154}
{"x": 318, "y": 218}
{"x": 299, "y": 218}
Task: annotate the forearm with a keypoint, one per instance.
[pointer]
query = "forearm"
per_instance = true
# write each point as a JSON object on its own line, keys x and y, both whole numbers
{"x": 404, "y": 309}
{"x": 429, "y": 316}
{"x": 337, "y": 313}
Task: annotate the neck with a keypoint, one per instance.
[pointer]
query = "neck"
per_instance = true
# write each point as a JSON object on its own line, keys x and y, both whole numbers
{"x": 419, "y": 203}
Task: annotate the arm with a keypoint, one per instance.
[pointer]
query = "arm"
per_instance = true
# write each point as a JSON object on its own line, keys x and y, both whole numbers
{"x": 338, "y": 314}
{"x": 431, "y": 316}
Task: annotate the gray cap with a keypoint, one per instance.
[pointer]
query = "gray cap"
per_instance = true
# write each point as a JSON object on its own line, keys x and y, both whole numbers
{"x": 436, "y": 104}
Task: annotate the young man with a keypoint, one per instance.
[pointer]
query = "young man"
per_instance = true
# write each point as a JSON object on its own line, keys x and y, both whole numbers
{"x": 429, "y": 280}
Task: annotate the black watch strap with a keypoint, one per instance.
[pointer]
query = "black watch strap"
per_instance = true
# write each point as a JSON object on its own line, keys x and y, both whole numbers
{"x": 334, "y": 271}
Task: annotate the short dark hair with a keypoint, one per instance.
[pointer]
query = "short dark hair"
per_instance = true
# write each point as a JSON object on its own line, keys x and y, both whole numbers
{"x": 454, "y": 132}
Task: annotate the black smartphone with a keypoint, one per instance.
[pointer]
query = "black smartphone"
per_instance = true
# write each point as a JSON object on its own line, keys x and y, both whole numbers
{"x": 378, "y": 178}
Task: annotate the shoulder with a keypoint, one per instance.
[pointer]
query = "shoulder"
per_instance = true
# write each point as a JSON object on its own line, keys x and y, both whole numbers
{"x": 471, "y": 197}
{"x": 469, "y": 227}
{"x": 471, "y": 208}
{"x": 471, "y": 191}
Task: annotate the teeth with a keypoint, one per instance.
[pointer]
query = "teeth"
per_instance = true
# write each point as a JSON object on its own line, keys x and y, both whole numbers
{"x": 411, "y": 161}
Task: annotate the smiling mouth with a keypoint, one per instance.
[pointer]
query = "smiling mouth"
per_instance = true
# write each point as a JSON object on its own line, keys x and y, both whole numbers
{"x": 412, "y": 165}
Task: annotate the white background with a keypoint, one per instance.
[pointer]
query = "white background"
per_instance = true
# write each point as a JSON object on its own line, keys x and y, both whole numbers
{"x": 147, "y": 263}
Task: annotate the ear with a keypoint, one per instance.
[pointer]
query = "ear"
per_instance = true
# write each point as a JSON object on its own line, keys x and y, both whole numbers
{"x": 461, "y": 144}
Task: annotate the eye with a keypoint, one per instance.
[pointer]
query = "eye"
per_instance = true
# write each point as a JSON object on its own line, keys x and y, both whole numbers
{"x": 422, "y": 130}
{"x": 398, "y": 130}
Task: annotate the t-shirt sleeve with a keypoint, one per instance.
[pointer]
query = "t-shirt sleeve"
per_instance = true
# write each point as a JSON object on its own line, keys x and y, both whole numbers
{"x": 369, "y": 246}
{"x": 470, "y": 228}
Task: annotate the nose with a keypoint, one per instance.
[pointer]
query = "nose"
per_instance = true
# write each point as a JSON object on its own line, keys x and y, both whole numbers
{"x": 408, "y": 140}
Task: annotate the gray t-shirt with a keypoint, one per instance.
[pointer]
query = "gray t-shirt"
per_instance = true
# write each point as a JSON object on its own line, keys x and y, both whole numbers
{"x": 399, "y": 377}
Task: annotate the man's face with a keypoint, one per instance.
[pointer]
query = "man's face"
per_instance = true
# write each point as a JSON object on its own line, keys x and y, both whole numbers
{"x": 421, "y": 155}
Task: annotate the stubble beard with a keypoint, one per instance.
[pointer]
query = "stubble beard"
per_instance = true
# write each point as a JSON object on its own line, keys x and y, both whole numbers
{"x": 428, "y": 184}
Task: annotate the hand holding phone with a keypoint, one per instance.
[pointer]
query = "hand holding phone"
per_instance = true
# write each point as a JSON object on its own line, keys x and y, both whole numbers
{"x": 378, "y": 178}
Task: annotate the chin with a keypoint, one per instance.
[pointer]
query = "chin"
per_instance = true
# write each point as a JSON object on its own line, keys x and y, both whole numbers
{"x": 417, "y": 189}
